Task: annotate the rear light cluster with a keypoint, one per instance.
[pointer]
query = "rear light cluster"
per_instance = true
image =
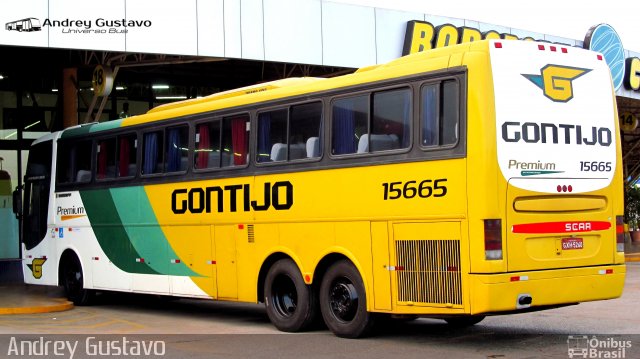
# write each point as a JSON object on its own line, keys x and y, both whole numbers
{"x": 552, "y": 48}
{"x": 620, "y": 233}
{"x": 492, "y": 239}
{"x": 564, "y": 188}
{"x": 541, "y": 47}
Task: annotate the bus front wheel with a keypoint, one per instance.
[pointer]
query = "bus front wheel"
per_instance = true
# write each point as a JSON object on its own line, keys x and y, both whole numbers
{"x": 73, "y": 281}
{"x": 343, "y": 301}
{"x": 290, "y": 303}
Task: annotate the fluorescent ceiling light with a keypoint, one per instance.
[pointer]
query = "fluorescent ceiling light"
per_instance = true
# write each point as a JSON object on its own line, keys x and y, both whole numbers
{"x": 171, "y": 97}
{"x": 159, "y": 87}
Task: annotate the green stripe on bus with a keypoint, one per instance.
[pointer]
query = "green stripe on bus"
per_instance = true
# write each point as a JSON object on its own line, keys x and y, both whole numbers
{"x": 111, "y": 235}
{"x": 145, "y": 233}
{"x": 91, "y": 128}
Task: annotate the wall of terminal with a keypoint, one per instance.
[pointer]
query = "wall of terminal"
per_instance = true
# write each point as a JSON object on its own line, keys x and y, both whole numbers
{"x": 317, "y": 32}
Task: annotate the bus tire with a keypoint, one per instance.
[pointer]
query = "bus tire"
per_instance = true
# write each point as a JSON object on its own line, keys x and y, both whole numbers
{"x": 290, "y": 303}
{"x": 464, "y": 321}
{"x": 72, "y": 280}
{"x": 343, "y": 301}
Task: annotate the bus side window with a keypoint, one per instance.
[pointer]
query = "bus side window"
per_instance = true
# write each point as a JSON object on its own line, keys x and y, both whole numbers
{"x": 272, "y": 136}
{"x": 285, "y": 134}
{"x": 152, "y": 152}
{"x": 304, "y": 131}
{"x": 106, "y": 158}
{"x": 429, "y": 119}
{"x": 64, "y": 171}
{"x": 450, "y": 113}
{"x": 177, "y": 151}
{"x": 79, "y": 165}
{"x": 391, "y": 120}
{"x": 207, "y": 144}
{"x": 235, "y": 141}
{"x": 349, "y": 122}
{"x": 126, "y": 156}
{"x": 440, "y": 114}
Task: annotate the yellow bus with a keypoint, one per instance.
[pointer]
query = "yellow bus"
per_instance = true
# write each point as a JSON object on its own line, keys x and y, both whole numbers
{"x": 479, "y": 179}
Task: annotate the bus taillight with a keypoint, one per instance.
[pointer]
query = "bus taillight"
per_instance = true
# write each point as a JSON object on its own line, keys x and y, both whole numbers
{"x": 620, "y": 233}
{"x": 492, "y": 239}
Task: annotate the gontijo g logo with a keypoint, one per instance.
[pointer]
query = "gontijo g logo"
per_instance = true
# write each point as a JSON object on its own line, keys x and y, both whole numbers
{"x": 556, "y": 81}
{"x": 36, "y": 267}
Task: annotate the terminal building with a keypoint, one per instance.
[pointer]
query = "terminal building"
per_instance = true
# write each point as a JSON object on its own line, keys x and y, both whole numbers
{"x": 71, "y": 62}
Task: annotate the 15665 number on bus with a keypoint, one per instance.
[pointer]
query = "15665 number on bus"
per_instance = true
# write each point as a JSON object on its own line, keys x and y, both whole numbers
{"x": 411, "y": 189}
{"x": 595, "y": 166}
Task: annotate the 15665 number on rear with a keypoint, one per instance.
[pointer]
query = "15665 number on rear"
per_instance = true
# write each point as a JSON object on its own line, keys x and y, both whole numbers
{"x": 411, "y": 189}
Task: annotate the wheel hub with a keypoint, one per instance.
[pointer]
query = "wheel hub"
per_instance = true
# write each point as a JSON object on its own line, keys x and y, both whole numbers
{"x": 285, "y": 297}
{"x": 344, "y": 300}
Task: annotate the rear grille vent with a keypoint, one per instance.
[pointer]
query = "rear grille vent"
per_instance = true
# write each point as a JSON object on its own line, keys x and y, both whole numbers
{"x": 429, "y": 271}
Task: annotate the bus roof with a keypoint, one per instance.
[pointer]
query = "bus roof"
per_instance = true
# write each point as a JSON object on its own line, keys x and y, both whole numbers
{"x": 266, "y": 86}
{"x": 436, "y": 59}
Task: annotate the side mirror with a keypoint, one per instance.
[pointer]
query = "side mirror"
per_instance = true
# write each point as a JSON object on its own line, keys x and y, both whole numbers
{"x": 17, "y": 202}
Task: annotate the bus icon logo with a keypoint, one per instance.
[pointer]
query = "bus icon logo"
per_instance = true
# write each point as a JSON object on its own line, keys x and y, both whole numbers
{"x": 578, "y": 346}
{"x": 29, "y": 24}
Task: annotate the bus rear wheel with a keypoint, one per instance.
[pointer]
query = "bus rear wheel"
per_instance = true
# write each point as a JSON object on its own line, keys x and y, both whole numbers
{"x": 73, "y": 281}
{"x": 291, "y": 304}
{"x": 343, "y": 301}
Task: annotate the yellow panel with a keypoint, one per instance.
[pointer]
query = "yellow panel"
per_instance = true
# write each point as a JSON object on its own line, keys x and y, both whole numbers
{"x": 431, "y": 230}
{"x": 226, "y": 262}
{"x": 559, "y": 204}
{"x": 531, "y": 250}
{"x": 308, "y": 241}
{"x": 251, "y": 253}
{"x": 192, "y": 244}
{"x": 498, "y": 292}
{"x": 381, "y": 275}
{"x": 355, "y": 241}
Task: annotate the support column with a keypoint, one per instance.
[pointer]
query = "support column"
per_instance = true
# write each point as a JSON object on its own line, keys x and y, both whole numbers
{"x": 69, "y": 97}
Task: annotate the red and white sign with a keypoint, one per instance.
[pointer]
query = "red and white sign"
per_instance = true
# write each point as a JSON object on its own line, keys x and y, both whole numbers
{"x": 561, "y": 227}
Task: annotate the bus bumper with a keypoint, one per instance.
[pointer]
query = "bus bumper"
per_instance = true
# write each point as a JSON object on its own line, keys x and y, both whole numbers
{"x": 508, "y": 292}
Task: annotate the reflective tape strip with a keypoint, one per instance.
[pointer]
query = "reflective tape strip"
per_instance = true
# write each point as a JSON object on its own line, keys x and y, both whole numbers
{"x": 396, "y": 268}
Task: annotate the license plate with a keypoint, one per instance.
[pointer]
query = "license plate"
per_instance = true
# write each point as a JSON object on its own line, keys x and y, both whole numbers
{"x": 572, "y": 243}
